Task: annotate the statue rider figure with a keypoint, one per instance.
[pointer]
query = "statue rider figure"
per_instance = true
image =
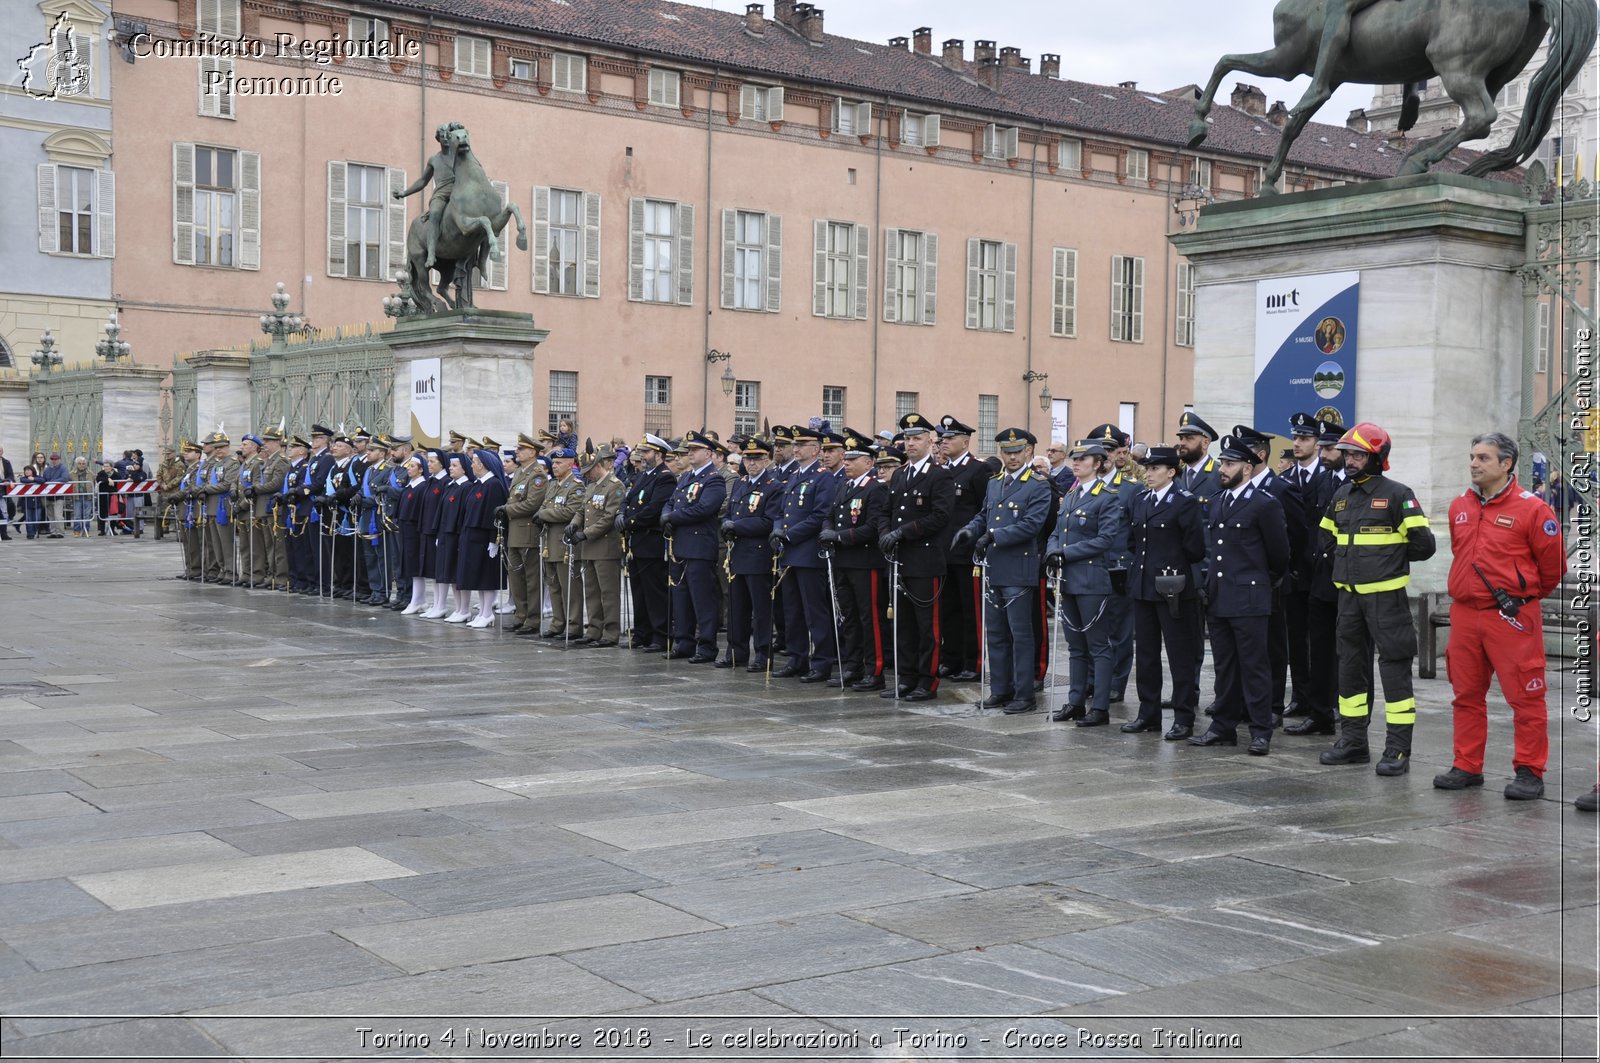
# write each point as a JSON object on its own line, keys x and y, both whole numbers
{"x": 442, "y": 170}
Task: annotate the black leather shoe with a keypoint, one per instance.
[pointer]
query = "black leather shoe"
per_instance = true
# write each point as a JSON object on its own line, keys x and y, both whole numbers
{"x": 815, "y": 676}
{"x": 997, "y": 701}
{"x": 922, "y": 694}
{"x": 757, "y": 663}
{"x": 652, "y": 647}
{"x": 1067, "y": 712}
{"x": 725, "y": 661}
{"x": 902, "y": 692}
{"x": 851, "y": 678}
{"x": 702, "y": 658}
{"x": 1117, "y": 699}
{"x": 945, "y": 671}
{"x": 1211, "y": 709}
{"x": 1345, "y": 751}
{"x": 1296, "y": 708}
{"x": 1020, "y": 706}
{"x": 1140, "y": 725}
{"x": 866, "y": 683}
{"x": 679, "y": 655}
{"x": 1215, "y": 738}
{"x": 604, "y": 644}
{"x": 788, "y": 671}
{"x": 1260, "y": 747}
{"x": 1178, "y": 732}
{"x": 1310, "y": 726}
{"x": 965, "y": 676}
{"x": 1095, "y": 718}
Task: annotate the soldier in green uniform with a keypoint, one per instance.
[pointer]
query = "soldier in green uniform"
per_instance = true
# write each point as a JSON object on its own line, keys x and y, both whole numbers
{"x": 220, "y": 483}
{"x": 244, "y": 512}
{"x": 270, "y": 553}
{"x": 168, "y": 473}
{"x": 523, "y": 567}
{"x": 562, "y": 497}
{"x": 186, "y": 497}
{"x": 594, "y": 532}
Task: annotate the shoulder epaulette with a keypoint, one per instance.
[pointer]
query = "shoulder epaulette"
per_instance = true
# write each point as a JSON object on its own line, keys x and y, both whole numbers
{"x": 1023, "y": 477}
{"x": 1098, "y": 484}
{"x": 998, "y": 475}
{"x": 1211, "y": 465}
{"x": 1185, "y": 494}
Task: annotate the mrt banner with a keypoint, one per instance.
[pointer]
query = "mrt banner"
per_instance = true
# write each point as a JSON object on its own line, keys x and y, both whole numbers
{"x": 1306, "y": 348}
{"x": 425, "y": 418}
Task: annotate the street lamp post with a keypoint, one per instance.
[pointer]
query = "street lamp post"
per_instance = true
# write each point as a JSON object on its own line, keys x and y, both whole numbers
{"x": 46, "y": 357}
{"x": 280, "y": 323}
{"x": 714, "y": 356}
{"x": 1044, "y": 393}
{"x": 113, "y": 348}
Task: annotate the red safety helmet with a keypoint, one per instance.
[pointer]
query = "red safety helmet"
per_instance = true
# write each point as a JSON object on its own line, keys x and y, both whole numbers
{"x": 1368, "y": 438}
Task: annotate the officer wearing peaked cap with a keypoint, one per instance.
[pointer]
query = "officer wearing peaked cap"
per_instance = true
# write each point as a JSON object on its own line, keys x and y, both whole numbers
{"x": 852, "y": 531}
{"x": 1091, "y": 532}
{"x": 959, "y": 654}
{"x": 643, "y": 548}
{"x": 1247, "y": 542}
{"x": 807, "y": 499}
{"x": 562, "y": 497}
{"x": 1004, "y": 538}
{"x": 916, "y": 535}
{"x": 1198, "y": 472}
{"x": 755, "y": 505}
{"x": 524, "y": 567}
{"x": 1166, "y": 539}
{"x": 1265, "y": 479}
{"x": 1119, "y": 607}
{"x": 593, "y": 530}
{"x": 1299, "y": 487}
{"x": 691, "y": 522}
{"x": 1322, "y": 599}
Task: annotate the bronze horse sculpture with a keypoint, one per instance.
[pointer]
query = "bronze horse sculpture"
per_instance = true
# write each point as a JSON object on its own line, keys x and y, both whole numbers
{"x": 468, "y": 230}
{"x": 1474, "y": 47}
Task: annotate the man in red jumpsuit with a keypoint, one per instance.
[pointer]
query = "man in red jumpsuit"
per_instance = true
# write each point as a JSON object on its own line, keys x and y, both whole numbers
{"x": 1507, "y": 556}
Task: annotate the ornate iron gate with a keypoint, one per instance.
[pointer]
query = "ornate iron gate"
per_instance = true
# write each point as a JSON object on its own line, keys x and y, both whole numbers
{"x": 64, "y": 409}
{"x": 344, "y": 377}
{"x": 179, "y": 418}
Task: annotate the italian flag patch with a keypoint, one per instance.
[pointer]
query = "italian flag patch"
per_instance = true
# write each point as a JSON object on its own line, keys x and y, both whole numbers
{"x": 1412, "y": 505}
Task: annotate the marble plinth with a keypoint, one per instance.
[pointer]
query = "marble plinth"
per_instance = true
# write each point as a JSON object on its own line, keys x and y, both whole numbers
{"x": 485, "y": 376}
{"x": 222, "y": 391}
{"x": 130, "y": 409}
{"x": 15, "y": 423}
{"x": 1441, "y": 314}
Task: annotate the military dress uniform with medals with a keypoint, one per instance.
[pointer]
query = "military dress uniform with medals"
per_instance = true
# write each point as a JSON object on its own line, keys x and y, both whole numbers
{"x": 222, "y": 479}
{"x": 594, "y": 527}
{"x": 809, "y": 620}
{"x": 754, "y": 507}
{"x": 1322, "y": 606}
{"x": 645, "y": 550}
{"x": 269, "y": 494}
{"x": 524, "y": 498}
{"x": 1090, "y": 535}
{"x": 691, "y": 521}
{"x": 1166, "y": 538}
{"x": 960, "y": 611}
{"x": 1203, "y": 479}
{"x": 1247, "y": 546}
{"x": 1300, "y": 485}
{"x": 561, "y": 501}
{"x": 1004, "y": 536}
{"x": 1120, "y": 605}
{"x": 916, "y": 535}
{"x": 250, "y": 563}
{"x": 189, "y": 512}
{"x": 855, "y": 522}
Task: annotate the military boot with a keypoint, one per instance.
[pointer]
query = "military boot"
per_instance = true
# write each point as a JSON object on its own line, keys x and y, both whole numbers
{"x": 1396, "y": 759}
{"x": 1351, "y": 748}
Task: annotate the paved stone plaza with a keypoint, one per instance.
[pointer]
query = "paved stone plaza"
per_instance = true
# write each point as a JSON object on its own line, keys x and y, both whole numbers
{"x": 217, "y": 804}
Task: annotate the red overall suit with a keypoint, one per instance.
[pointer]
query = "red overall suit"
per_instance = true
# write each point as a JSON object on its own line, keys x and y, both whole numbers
{"x": 1514, "y": 539}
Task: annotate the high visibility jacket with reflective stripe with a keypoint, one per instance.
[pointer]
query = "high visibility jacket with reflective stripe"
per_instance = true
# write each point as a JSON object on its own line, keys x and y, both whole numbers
{"x": 1374, "y": 529}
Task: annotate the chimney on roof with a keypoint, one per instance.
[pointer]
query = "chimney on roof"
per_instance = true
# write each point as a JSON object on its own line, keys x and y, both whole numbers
{"x": 811, "y": 25}
{"x": 953, "y": 49}
{"x": 755, "y": 18}
{"x": 1012, "y": 57}
{"x": 1357, "y": 121}
{"x": 989, "y": 72}
{"x": 902, "y": 43}
{"x": 1050, "y": 65}
{"x": 982, "y": 50}
{"x": 922, "y": 39}
{"x": 783, "y": 12}
{"x": 1279, "y": 115}
{"x": 1127, "y": 84}
{"x": 1249, "y": 99}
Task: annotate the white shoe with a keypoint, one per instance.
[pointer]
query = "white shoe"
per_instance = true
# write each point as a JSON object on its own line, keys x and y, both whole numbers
{"x": 435, "y": 614}
{"x": 412, "y": 609}
{"x": 506, "y": 607}
{"x": 482, "y": 620}
{"x": 457, "y": 618}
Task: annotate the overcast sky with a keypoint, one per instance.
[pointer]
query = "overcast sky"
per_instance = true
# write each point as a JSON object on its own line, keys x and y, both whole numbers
{"x": 1161, "y": 44}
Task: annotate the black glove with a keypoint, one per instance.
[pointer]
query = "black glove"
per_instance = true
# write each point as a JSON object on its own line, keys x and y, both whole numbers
{"x": 960, "y": 539}
{"x": 617, "y": 524}
{"x": 1054, "y": 559}
{"x": 890, "y": 539}
{"x": 980, "y": 549}
{"x": 828, "y": 535}
{"x": 500, "y": 514}
{"x": 777, "y": 541}
{"x": 727, "y": 530}
{"x": 574, "y": 536}
{"x": 667, "y": 528}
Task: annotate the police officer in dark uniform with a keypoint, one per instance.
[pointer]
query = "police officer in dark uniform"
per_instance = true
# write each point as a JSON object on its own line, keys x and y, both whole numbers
{"x": 294, "y": 514}
{"x": 755, "y": 504}
{"x": 854, "y": 525}
{"x": 1247, "y": 544}
{"x": 1090, "y": 535}
{"x": 690, "y": 522}
{"x": 644, "y": 548}
{"x": 960, "y": 649}
{"x": 1119, "y": 605}
{"x": 1300, "y": 482}
{"x": 1167, "y": 540}
{"x": 808, "y": 620}
{"x": 315, "y": 487}
{"x": 1322, "y": 601}
{"x": 783, "y": 466}
{"x": 921, "y": 496}
{"x": 1266, "y": 479}
{"x": 1004, "y": 539}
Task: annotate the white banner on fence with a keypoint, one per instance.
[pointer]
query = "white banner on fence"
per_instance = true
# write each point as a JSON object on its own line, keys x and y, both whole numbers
{"x": 425, "y": 388}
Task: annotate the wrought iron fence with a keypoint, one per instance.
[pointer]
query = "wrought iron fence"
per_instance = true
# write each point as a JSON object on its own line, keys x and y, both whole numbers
{"x": 340, "y": 376}
{"x": 64, "y": 413}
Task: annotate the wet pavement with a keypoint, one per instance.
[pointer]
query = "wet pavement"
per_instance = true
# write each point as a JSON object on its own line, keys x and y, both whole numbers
{"x": 243, "y": 825}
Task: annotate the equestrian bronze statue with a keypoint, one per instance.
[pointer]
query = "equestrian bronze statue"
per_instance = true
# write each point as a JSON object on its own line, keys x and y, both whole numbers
{"x": 461, "y": 227}
{"x": 1474, "y": 47}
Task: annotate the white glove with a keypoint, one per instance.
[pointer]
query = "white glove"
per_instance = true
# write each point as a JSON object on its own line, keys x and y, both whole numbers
{"x": 494, "y": 549}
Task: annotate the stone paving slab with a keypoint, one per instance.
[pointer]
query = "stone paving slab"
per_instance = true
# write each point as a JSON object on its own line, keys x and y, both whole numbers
{"x": 215, "y": 879}
{"x": 784, "y": 894}
{"x": 384, "y": 799}
{"x": 57, "y": 861}
{"x": 654, "y": 832}
{"x": 735, "y": 857}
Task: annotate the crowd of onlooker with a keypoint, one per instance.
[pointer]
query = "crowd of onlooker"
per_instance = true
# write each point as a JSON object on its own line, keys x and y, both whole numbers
{"x": 93, "y": 507}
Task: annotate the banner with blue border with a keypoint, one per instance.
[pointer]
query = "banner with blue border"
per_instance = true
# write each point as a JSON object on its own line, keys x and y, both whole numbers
{"x": 1306, "y": 331}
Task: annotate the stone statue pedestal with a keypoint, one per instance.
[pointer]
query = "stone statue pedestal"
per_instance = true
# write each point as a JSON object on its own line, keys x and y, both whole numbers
{"x": 130, "y": 409}
{"x": 222, "y": 392}
{"x": 470, "y": 370}
{"x": 15, "y": 420}
{"x": 1441, "y": 315}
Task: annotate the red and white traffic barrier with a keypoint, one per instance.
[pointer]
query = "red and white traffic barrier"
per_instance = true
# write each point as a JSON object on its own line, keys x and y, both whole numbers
{"x": 134, "y": 487}
{"x": 34, "y": 490}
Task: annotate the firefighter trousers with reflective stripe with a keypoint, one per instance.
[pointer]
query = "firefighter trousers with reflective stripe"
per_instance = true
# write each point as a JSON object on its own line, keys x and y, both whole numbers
{"x": 1380, "y": 622}
{"x": 1483, "y": 643}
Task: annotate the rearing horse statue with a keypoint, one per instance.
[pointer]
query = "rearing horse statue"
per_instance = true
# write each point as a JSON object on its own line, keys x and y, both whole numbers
{"x": 1474, "y": 47}
{"x": 468, "y": 226}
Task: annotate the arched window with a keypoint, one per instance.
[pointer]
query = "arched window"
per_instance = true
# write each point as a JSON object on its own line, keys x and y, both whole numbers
{"x": 6, "y": 361}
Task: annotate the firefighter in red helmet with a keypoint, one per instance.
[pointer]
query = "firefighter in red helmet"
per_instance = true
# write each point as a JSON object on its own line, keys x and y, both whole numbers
{"x": 1375, "y": 529}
